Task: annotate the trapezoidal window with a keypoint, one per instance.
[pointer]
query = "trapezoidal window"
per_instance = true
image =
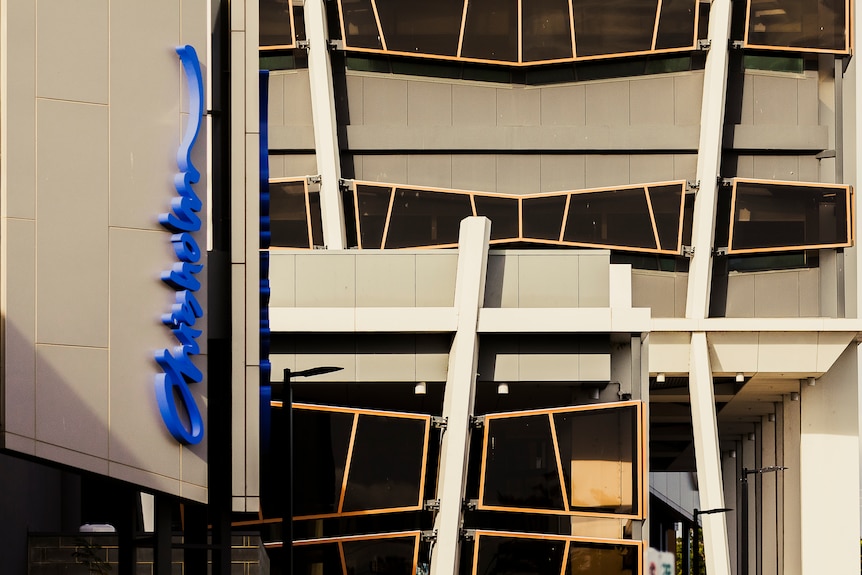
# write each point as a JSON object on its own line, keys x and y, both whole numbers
{"x": 294, "y": 214}
{"x": 644, "y": 218}
{"x": 502, "y": 553}
{"x": 585, "y": 460}
{"x": 389, "y": 553}
{"x": 277, "y": 25}
{"x": 519, "y": 33}
{"x": 771, "y": 216}
{"x": 799, "y": 25}
{"x": 358, "y": 462}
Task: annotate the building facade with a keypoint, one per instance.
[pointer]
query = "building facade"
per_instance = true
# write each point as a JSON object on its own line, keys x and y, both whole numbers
{"x": 461, "y": 287}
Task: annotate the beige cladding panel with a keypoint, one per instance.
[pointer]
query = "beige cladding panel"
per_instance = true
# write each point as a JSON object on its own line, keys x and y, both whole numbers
{"x": 83, "y": 251}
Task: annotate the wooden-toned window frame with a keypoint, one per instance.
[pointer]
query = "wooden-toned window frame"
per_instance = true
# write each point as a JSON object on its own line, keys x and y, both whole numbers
{"x": 851, "y": 216}
{"x": 675, "y": 250}
{"x": 292, "y": 44}
{"x": 639, "y": 452}
{"x": 575, "y": 58}
{"x": 304, "y": 181}
{"x": 848, "y": 37}
{"x": 567, "y": 539}
{"x": 370, "y": 413}
{"x": 415, "y": 535}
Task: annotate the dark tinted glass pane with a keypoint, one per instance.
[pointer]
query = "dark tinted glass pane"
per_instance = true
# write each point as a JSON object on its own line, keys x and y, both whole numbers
{"x": 618, "y": 218}
{"x": 503, "y": 213}
{"x": 491, "y": 30}
{"x": 322, "y": 454}
{"x": 315, "y": 559}
{"x": 547, "y": 30}
{"x": 275, "y": 28}
{"x": 386, "y": 467}
{"x": 520, "y": 464}
{"x": 424, "y": 218}
{"x": 780, "y": 216}
{"x": 613, "y": 26}
{"x": 817, "y": 24}
{"x": 299, "y": 22}
{"x": 380, "y": 556}
{"x": 597, "y": 449}
{"x": 316, "y": 221}
{"x": 349, "y": 218}
{"x": 360, "y": 27}
{"x": 373, "y": 205}
{"x": 543, "y": 217}
{"x": 287, "y": 218}
{"x": 667, "y": 209}
{"x": 676, "y": 24}
{"x": 421, "y": 27}
{"x": 510, "y": 555}
{"x": 602, "y": 558}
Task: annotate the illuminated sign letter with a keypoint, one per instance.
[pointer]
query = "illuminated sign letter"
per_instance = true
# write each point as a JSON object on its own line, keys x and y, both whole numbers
{"x": 178, "y": 407}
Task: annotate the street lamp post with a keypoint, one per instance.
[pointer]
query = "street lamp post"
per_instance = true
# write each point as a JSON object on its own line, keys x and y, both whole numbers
{"x": 743, "y": 508}
{"x": 285, "y": 391}
{"x": 696, "y": 540}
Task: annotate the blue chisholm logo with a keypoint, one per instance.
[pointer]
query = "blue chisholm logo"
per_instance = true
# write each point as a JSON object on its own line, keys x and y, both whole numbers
{"x": 178, "y": 407}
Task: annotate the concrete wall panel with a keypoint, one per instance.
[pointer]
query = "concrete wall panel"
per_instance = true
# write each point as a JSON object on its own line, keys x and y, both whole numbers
{"x": 429, "y": 104}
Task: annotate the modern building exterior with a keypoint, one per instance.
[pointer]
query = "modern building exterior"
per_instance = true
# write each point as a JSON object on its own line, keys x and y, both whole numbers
{"x": 466, "y": 286}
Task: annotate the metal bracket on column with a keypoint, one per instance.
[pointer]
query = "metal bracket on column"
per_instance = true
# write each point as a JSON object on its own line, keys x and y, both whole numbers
{"x": 432, "y": 505}
{"x": 438, "y": 422}
{"x": 429, "y": 535}
{"x": 692, "y": 187}
{"x": 719, "y": 251}
{"x": 724, "y": 182}
{"x": 335, "y": 45}
{"x": 346, "y": 185}
{"x": 703, "y": 44}
{"x": 470, "y": 504}
{"x": 468, "y": 534}
{"x": 477, "y": 421}
{"x": 312, "y": 179}
{"x": 736, "y": 44}
{"x": 688, "y": 251}
{"x": 303, "y": 44}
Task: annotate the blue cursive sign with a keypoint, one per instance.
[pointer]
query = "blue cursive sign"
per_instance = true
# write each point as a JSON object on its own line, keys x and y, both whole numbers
{"x": 178, "y": 407}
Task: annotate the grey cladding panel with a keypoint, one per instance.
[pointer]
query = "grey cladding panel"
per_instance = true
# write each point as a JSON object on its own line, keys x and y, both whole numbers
{"x": 429, "y": 104}
{"x": 608, "y": 103}
{"x": 384, "y": 101}
{"x": 652, "y": 101}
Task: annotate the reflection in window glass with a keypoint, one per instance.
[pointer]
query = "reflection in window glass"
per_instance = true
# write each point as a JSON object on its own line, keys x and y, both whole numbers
{"x": 316, "y": 559}
{"x": 491, "y": 30}
{"x": 666, "y": 206}
{"x": 543, "y": 217}
{"x": 676, "y": 24}
{"x": 316, "y": 219}
{"x": 287, "y": 215}
{"x": 421, "y": 27}
{"x": 323, "y": 451}
{"x": 613, "y": 218}
{"x": 498, "y": 553}
{"x": 387, "y": 464}
{"x": 773, "y": 216}
{"x": 426, "y": 218}
{"x": 547, "y": 32}
{"x": 818, "y": 25}
{"x": 360, "y": 26}
{"x": 276, "y": 28}
{"x": 373, "y": 207}
{"x": 503, "y": 213}
{"x": 613, "y": 26}
{"x": 507, "y": 555}
{"x": 521, "y": 465}
{"x": 381, "y": 556}
{"x": 597, "y": 450}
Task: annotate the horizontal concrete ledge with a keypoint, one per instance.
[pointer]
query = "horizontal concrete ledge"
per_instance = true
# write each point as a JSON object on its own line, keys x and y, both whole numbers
{"x": 796, "y": 324}
{"x": 363, "y": 319}
{"x": 521, "y": 138}
{"x": 760, "y": 137}
{"x": 563, "y": 320}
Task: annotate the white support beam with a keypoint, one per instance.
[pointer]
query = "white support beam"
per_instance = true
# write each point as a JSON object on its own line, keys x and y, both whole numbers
{"x": 325, "y": 124}
{"x": 707, "y": 457}
{"x": 460, "y": 392}
{"x": 709, "y": 160}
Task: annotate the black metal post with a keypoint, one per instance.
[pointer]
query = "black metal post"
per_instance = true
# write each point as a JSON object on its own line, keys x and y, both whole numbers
{"x": 743, "y": 524}
{"x": 162, "y": 544}
{"x": 695, "y": 545}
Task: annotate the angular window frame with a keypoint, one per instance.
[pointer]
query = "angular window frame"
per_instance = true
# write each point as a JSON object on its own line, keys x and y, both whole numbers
{"x": 520, "y": 42}
{"x": 392, "y": 188}
{"x": 849, "y": 206}
{"x": 292, "y": 44}
{"x": 567, "y": 539}
{"x": 848, "y": 37}
{"x": 416, "y": 535}
{"x": 308, "y": 215}
{"x": 639, "y": 454}
{"x": 345, "y": 480}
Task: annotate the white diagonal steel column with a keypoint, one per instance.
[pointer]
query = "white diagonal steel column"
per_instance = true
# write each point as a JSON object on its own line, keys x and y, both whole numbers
{"x": 460, "y": 391}
{"x": 325, "y": 124}
{"x": 707, "y": 457}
